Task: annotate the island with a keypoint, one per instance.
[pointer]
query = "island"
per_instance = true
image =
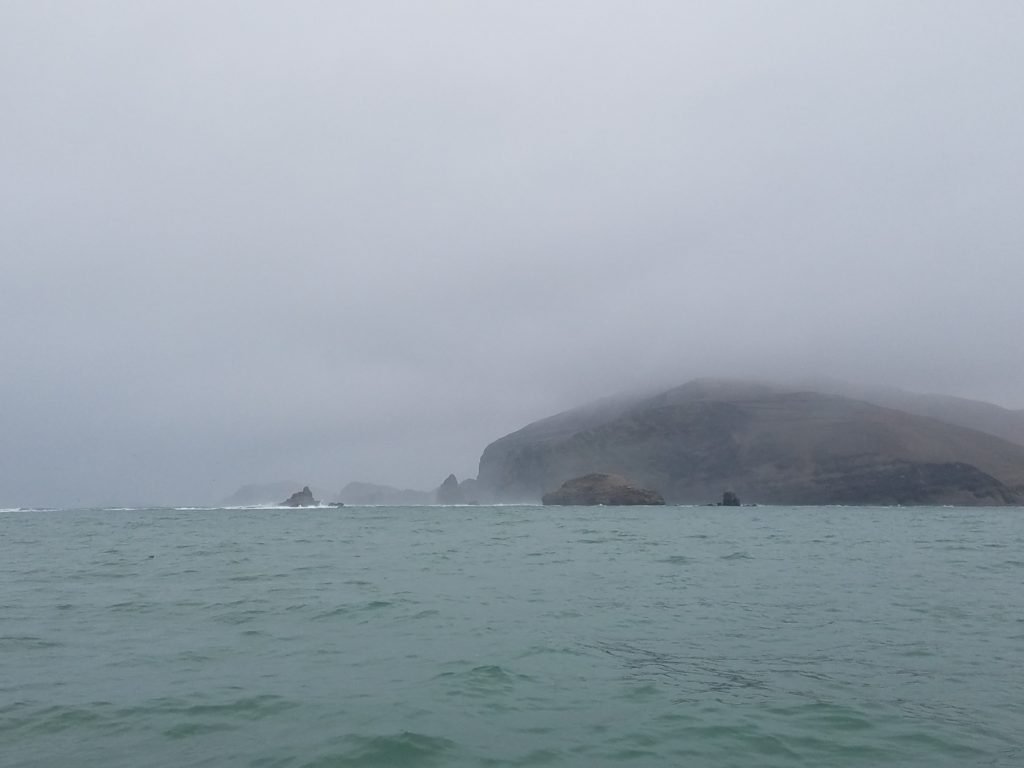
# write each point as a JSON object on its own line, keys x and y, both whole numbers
{"x": 600, "y": 488}
{"x": 303, "y": 498}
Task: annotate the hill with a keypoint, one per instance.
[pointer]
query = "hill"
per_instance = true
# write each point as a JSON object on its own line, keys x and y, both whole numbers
{"x": 767, "y": 443}
{"x": 972, "y": 414}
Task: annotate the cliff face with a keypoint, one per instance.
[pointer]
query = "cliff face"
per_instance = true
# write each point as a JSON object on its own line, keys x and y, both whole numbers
{"x": 767, "y": 444}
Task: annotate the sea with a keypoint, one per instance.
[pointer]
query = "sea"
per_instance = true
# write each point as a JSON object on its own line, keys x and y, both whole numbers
{"x": 512, "y": 636}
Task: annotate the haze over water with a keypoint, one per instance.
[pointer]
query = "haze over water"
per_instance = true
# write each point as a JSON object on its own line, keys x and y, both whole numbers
{"x": 254, "y": 242}
{"x": 512, "y": 636}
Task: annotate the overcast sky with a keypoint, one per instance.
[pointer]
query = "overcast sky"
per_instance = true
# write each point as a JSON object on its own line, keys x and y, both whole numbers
{"x": 329, "y": 241}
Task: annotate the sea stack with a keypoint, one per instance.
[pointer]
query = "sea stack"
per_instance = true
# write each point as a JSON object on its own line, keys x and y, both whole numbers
{"x": 609, "y": 490}
{"x": 303, "y": 498}
{"x": 450, "y": 492}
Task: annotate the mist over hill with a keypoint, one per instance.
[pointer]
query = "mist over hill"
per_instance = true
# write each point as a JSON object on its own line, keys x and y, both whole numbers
{"x": 973, "y": 414}
{"x": 359, "y": 241}
{"x": 769, "y": 443}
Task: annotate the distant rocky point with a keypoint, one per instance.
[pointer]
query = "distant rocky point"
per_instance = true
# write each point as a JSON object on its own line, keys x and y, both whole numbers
{"x": 267, "y": 493}
{"x": 303, "y": 498}
{"x": 599, "y": 488}
{"x": 450, "y": 492}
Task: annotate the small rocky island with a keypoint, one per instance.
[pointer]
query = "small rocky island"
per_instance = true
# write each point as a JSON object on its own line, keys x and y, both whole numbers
{"x": 303, "y": 498}
{"x": 610, "y": 490}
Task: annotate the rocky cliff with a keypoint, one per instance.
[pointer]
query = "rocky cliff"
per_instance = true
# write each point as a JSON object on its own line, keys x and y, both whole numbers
{"x": 768, "y": 444}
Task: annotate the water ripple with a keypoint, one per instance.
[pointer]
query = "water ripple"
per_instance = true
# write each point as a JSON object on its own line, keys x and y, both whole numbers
{"x": 512, "y": 637}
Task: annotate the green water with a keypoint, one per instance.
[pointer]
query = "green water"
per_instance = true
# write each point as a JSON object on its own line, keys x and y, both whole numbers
{"x": 512, "y": 636}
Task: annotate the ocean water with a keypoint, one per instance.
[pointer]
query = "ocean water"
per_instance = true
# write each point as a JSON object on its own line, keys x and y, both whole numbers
{"x": 512, "y": 636}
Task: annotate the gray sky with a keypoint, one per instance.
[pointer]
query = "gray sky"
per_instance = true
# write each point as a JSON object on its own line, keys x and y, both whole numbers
{"x": 327, "y": 241}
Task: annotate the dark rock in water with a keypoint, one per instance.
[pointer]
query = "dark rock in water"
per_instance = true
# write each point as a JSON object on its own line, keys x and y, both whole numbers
{"x": 610, "y": 490}
{"x": 303, "y": 498}
{"x": 450, "y": 492}
{"x": 336, "y": 504}
{"x": 730, "y": 499}
{"x": 266, "y": 493}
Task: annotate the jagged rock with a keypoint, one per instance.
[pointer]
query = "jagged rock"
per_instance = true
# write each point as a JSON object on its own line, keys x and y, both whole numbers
{"x": 303, "y": 498}
{"x": 730, "y": 499}
{"x": 450, "y": 492}
{"x": 267, "y": 493}
{"x": 610, "y": 490}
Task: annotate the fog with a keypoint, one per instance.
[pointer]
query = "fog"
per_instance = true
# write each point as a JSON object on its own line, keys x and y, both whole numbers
{"x": 251, "y": 241}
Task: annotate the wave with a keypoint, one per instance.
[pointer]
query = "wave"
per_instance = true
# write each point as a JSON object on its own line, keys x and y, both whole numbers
{"x": 404, "y": 748}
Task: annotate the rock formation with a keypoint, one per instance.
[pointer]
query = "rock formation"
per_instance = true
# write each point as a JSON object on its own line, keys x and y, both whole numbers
{"x": 303, "y": 498}
{"x": 768, "y": 444}
{"x": 450, "y": 492}
{"x": 597, "y": 488}
{"x": 729, "y": 499}
{"x": 266, "y": 493}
